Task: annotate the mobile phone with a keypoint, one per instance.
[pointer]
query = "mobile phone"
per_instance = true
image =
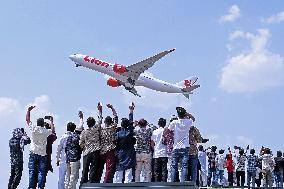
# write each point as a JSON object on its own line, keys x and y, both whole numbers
{"x": 47, "y": 117}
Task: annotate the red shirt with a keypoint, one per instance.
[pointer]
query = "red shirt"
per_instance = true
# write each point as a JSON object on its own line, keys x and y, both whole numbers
{"x": 230, "y": 164}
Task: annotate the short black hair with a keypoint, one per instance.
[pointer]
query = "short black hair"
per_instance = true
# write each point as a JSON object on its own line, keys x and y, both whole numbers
{"x": 252, "y": 151}
{"x": 142, "y": 122}
{"x": 40, "y": 122}
{"x": 241, "y": 151}
{"x": 181, "y": 112}
{"x": 71, "y": 126}
{"x": 214, "y": 148}
{"x": 125, "y": 122}
{"x": 267, "y": 151}
{"x": 108, "y": 120}
{"x": 91, "y": 122}
{"x": 162, "y": 122}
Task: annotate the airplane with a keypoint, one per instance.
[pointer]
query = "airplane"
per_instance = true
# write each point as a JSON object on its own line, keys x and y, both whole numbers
{"x": 133, "y": 75}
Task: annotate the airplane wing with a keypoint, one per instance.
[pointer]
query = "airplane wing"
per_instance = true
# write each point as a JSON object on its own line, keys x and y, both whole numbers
{"x": 135, "y": 70}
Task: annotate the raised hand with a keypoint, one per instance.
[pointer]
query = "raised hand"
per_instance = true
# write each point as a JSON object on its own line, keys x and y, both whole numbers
{"x": 81, "y": 115}
{"x": 132, "y": 106}
{"x": 31, "y": 108}
{"x": 109, "y": 106}
{"x": 100, "y": 107}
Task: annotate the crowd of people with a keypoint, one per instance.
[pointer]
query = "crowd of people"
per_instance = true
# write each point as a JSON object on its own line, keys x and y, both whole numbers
{"x": 135, "y": 151}
{"x": 263, "y": 170}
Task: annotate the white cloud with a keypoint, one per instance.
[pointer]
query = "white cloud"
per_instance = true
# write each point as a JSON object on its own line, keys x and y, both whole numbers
{"x": 255, "y": 70}
{"x": 234, "y": 12}
{"x": 42, "y": 109}
{"x": 12, "y": 109}
{"x": 9, "y": 106}
{"x": 277, "y": 18}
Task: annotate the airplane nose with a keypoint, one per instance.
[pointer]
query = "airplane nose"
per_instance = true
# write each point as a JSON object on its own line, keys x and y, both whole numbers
{"x": 72, "y": 57}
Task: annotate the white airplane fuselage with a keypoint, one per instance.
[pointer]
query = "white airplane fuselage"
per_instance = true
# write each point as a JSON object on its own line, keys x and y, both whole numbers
{"x": 108, "y": 69}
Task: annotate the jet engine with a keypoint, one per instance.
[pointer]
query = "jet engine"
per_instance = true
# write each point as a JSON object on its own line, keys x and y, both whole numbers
{"x": 113, "y": 82}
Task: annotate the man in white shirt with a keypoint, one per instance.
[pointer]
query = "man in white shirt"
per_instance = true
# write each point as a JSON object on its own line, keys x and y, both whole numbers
{"x": 61, "y": 158}
{"x": 37, "y": 160}
{"x": 220, "y": 164}
{"x": 160, "y": 153}
{"x": 180, "y": 153}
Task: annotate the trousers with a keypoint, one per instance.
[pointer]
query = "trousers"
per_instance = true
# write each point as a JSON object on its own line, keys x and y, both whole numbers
{"x": 61, "y": 176}
{"x": 37, "y": 165}
{"x": 16, "y": 175}
{"x": 240, "y": 178}
{"x": 128, "y": 176}
{"x": 179, "y": 156}
{"x": 109, "y": 159}
{"x": 72, "y": 174}
{"x": 160, "y": 169}
{"x": 143, "y": 160}
{"x": 91, "y": 168}
{"x": 251, "y": 177}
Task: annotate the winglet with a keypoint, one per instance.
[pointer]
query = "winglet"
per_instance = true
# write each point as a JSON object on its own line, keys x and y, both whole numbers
{"x": 172, "y": 49}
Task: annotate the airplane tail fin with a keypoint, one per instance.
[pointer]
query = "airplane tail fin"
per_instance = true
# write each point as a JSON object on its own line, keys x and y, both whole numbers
{"x": 188, "y": 85}
{"x": 188, "y": 82}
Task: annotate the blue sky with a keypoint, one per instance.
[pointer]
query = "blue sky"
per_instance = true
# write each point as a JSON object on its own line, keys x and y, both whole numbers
{"x": 235, "y": 47}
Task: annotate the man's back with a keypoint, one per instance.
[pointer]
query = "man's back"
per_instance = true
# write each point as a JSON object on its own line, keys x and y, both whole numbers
{"x": 279, "y": 164}
{"x": 221, "y": 162}
{"x": 90, "y": 140}
{"x": 251, "y": 164}
{"x": 181, "y": 129}
{"x": 267, "y": 162}
{"x": 73, "y": 150}
{"x": 39, "y": 139}
{"x": 16, "y": 152}
{"x": 143, "y": 139}
{"x": 160, "y": 150}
